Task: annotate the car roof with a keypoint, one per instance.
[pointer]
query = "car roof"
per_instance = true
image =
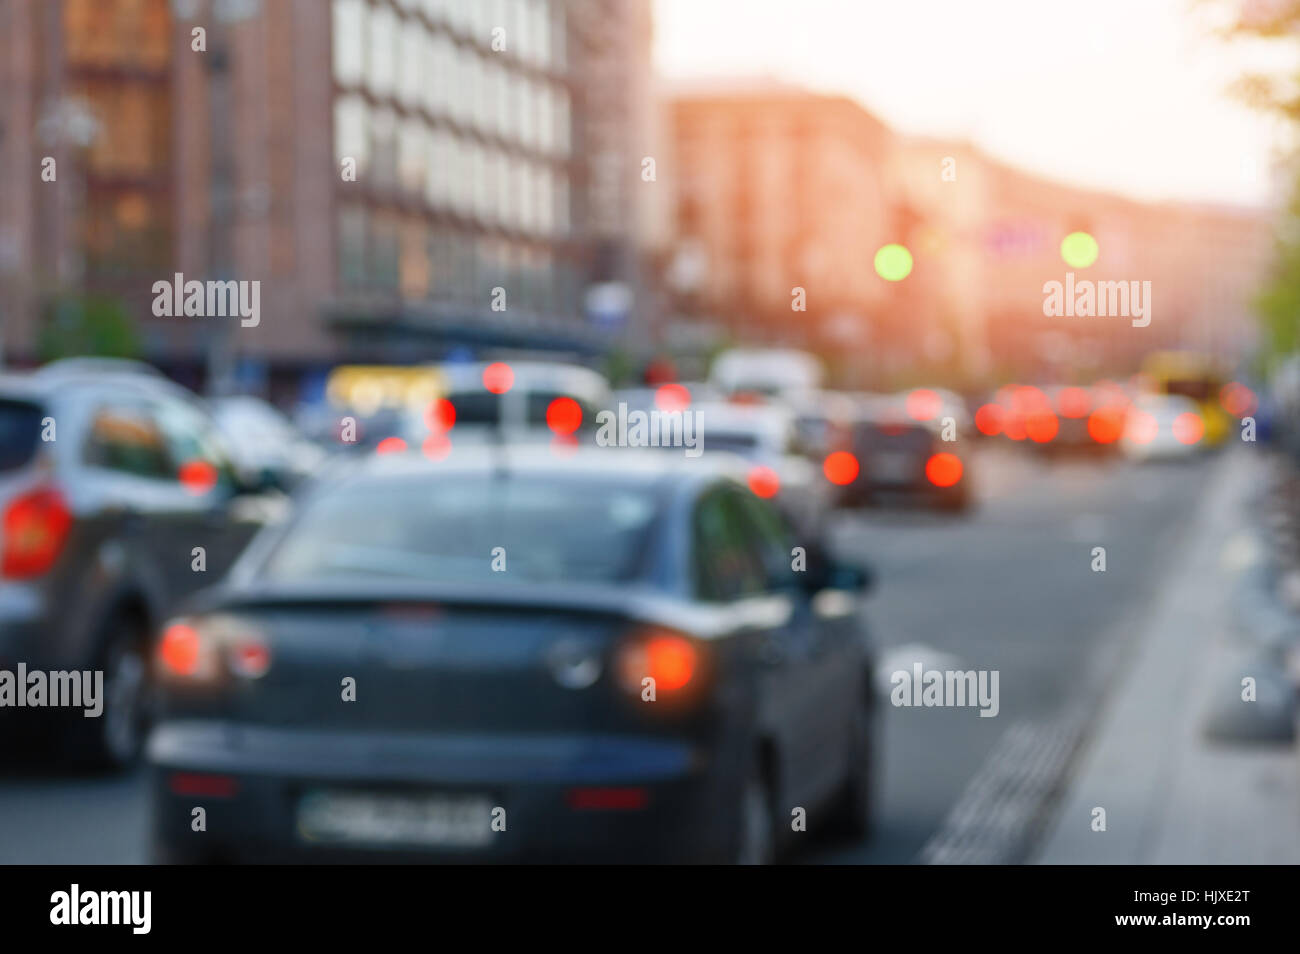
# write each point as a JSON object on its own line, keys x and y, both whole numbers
{"x": 617, "y": 464}
{"x": 62, "y": 376}
{"x": 531, "y": 376}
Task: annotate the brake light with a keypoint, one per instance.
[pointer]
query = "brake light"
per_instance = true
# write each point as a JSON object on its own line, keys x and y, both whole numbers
{"x": 182, "y": 651}
{"x": 943, "y": 470}
{"x": 212, "y": 648}
{"x": 668, "y": 658}
{"x": 35, "y": 527}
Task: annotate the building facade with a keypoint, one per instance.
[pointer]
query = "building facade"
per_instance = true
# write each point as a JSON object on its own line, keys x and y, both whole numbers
{"x": 403, "y": 177}
{"x": 780, "y": 189}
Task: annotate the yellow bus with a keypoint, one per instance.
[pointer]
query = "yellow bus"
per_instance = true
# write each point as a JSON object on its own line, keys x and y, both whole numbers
{"x": 1195, "y": 376}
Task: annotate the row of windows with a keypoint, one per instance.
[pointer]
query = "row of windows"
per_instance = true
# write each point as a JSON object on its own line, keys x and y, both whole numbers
{"x": 450, "y": 171}
{"x": 382, "y": 251}
{"x": 127, "y": 33}
{"x": 391, "y": 58}
{"x": 534, "y": 29}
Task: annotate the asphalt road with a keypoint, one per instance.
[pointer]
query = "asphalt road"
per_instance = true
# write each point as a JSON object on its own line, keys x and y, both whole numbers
{"x": 1008, "y": 588}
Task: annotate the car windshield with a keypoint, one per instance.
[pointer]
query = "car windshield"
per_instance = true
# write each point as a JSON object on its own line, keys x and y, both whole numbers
{"x": 466, "y": 529}
{"x": 20, "y": 433}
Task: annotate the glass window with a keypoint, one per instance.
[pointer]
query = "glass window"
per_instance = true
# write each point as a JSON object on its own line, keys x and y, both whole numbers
{"x": 126, "y": 438}
{"x": 411, "y": 80}
{"x": 415, "y": 261}
{"x": 192, "y": 438}
{"x": 412, "y": 155}
{"x": 526, "y": 113}
{"x": 563, "y": 131}
{"x": 554, "y": 530}
{"x": 384, "y": 252}
{"x": 435, "y": 73}
{"x": 383, "y": 138}
{"x": 725, "y": 566}
{"x": 352, "y": 229}
{"x": 545, "y": 202}
{"x": 381, "y": 60}
{"x": 20, "y": 433}
{"x": 349, "y": 30}
{"x": 351, "y": 135}
{"x": 767, "y": 528}
{"x": 545, "y": 119}
{"x": 561, "y": 205}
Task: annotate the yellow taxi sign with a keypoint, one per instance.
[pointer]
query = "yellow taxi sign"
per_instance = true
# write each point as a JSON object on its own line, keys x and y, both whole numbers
{"x": 369, "y": 388}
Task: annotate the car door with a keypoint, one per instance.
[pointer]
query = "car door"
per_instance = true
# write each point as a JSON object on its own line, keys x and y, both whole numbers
{"x": 220, "y": 519}
{"x": 730, "y": 570}
{"x": 141, "y": 517}
{"x": 815, "y": 639}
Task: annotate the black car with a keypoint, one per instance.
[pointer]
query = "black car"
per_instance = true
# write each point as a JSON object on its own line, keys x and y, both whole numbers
{"x": 902, "y": 459}
{"x": 514, "y": 655}
{"x": 111, "y": 480}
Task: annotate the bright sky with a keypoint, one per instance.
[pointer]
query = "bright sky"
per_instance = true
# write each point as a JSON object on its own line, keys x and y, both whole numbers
{"x": 1126, "y": 95}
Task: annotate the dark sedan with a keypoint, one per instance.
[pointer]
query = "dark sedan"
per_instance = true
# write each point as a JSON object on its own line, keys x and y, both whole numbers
{"x": 899, "y": 458}
{"x": 518, "y": 654}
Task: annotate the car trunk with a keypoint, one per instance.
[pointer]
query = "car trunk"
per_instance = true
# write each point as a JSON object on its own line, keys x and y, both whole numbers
{"x": 446, "y": 665}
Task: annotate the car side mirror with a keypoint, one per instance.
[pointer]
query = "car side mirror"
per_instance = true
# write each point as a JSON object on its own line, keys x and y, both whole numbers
{"x": 850, "y": 576}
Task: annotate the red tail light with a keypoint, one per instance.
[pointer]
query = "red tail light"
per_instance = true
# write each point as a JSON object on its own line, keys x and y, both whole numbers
{"x": 35, "y": 527}
{"x": 211, "y": 649}
{"x": 669, "y": 658}
{"x": 943, "y": 470}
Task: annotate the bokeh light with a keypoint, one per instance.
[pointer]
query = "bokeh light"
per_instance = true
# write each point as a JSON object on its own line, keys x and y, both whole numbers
{"x": 1141, "y": 428}
{"x": 764, "y": 482}
{"x": 440, "y": 415}
{"x": 197, "y": 476}
{"x": 944, "y": 469}
{"x": 1079, "y": 249}
{"x": 1188, "y": 428}
{"x": 564, "y": 415}
{"x": 436, "y": 446}
{"x": 923, "y": 404}
{"x": 1237, "y": 399}
{"x": 672, "y": 397}
{"x": 390, "y": 445}
{"x": 498, "y": 377}
{"x": 893, "y": 262}
{"x": 988, "y": 419}
{"x": 841, "y": 468}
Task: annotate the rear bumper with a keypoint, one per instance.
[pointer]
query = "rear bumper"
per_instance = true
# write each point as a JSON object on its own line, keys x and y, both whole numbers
{"x": 251, "y": 781}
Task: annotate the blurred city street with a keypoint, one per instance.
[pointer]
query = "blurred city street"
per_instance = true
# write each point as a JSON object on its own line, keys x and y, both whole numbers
{"x": 649, "y": 431}
{"x": 1008, "y": 587}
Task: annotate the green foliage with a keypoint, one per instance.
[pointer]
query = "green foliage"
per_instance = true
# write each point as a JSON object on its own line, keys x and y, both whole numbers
{"x": 87, "y": 325}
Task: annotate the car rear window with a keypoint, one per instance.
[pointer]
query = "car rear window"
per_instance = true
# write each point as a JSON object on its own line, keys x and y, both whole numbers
{"x": 449, "y": 530}
{"x": 20, "y": 433}
{"x": 901, "y": 437}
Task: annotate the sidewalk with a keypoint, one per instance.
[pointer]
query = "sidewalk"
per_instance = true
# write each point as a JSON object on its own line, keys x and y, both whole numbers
{"x": 1171, "y": 795}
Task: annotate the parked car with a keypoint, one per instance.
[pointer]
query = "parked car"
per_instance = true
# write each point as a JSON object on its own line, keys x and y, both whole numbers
{"x": 266, "y": 446}
{"x": 111, "y": 479}
{"x": 562, "y": 657}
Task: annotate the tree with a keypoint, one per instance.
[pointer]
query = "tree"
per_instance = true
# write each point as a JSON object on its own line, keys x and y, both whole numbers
{"x": 92, "y": 325}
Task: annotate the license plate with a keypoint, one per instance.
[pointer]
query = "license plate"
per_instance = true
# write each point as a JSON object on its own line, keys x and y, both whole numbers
{"x": 417, "y": 820}
{"x": 892, "y": 468}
